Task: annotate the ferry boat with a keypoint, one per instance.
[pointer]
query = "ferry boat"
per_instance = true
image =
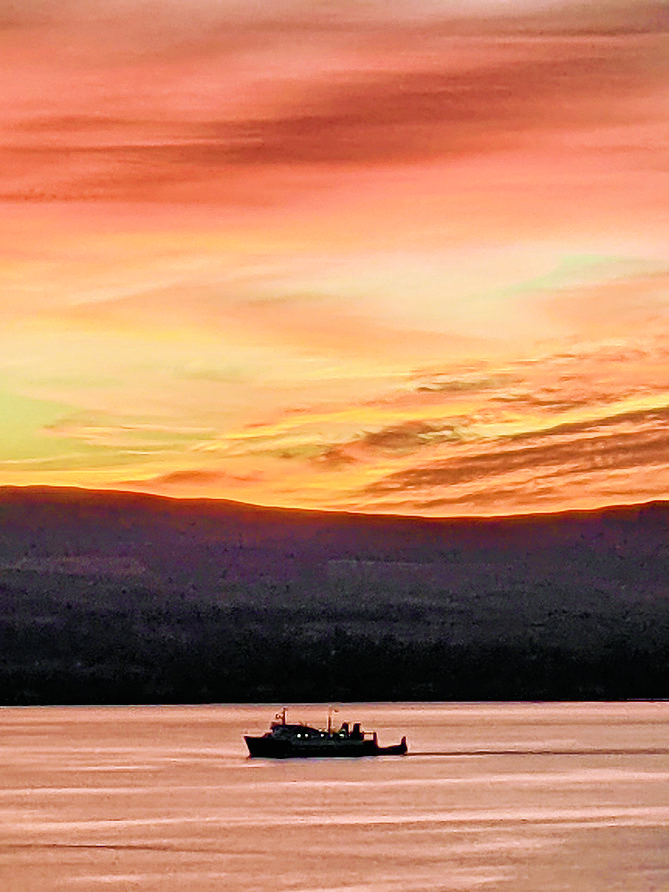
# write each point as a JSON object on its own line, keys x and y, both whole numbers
{"x": 286, "y": 741}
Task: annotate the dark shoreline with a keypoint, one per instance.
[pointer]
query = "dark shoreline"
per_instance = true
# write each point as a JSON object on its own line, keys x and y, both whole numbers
{"x": 102, "y": 660}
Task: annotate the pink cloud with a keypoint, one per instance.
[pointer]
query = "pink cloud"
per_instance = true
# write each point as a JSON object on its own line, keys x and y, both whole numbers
{"x": 148, "y": 125}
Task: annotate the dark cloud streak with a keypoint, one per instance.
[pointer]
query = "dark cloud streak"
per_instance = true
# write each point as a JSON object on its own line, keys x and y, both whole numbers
{"x": 361, "y": 120}
{"x": 590, "y": 449}
{"x": 194, "y": 477}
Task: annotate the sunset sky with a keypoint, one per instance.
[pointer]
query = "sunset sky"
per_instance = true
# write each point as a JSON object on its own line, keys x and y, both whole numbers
{"x": 405, "y": 256}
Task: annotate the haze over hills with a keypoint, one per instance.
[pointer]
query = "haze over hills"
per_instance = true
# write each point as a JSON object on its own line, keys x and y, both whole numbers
{"x": 109, "y": 596}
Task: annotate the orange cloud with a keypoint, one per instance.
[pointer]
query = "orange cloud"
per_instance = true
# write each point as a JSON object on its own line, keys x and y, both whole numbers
{"x": 545, "y": 467}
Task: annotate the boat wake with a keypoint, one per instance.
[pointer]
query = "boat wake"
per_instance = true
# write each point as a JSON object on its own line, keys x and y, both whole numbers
{"x": 646, "y": 751}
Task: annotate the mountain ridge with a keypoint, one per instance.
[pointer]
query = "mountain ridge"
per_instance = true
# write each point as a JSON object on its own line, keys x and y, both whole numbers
{"x": 144, "y": 598}
{"x": 13, "y": 493}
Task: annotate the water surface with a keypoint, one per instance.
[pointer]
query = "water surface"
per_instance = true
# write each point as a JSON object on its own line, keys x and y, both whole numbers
{"x": 521, "y": 797}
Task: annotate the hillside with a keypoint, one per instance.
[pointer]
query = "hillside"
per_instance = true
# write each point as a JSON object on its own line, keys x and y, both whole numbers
{"x": 108, "y": 596}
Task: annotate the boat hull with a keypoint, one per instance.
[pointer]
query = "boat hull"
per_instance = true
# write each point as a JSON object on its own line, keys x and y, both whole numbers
{"x": 272, "y": 748}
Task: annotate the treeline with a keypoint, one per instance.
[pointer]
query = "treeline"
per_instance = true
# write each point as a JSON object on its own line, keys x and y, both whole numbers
{"x": 217, "y": 654}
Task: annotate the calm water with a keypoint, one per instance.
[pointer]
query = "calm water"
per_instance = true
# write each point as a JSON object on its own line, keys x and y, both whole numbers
{"x": 521, "y": 797}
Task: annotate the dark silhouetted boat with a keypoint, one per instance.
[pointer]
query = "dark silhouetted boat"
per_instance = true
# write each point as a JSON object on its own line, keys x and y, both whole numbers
{"x": 288, "y": 741}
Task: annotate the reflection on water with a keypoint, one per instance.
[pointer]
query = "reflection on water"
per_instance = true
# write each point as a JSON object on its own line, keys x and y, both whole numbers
{"x": 520, "y": 797}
